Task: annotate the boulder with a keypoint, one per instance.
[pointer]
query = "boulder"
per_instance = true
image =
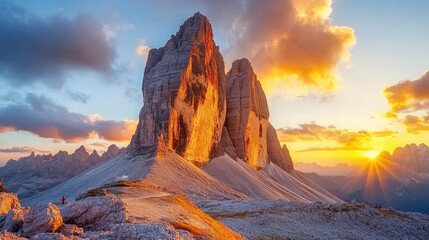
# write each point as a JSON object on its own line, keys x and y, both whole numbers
{"x": 70, "y": 230}
{"x": 184, "y": 94}
{"x": 96, "y": 213}
{"x": 8, "y": 201}
{"x": 10, "y": 236}
{"x": 15, "y": 219}
{"x": 51, "y": 236}
{"x": 149, "y": 231}
{"x": 42, "y": 219}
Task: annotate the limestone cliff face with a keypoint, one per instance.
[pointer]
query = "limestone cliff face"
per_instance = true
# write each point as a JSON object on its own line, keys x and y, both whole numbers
{"x": 247, "y": 114}
{"x": 253, "y": 137}
{"x": 184, "y": 94}
{"x": 276, "y": 153}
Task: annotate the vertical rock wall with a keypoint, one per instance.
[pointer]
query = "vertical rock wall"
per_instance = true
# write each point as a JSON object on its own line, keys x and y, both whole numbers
{"x": 247, "y": 114}
{"x": 184, "y": 94}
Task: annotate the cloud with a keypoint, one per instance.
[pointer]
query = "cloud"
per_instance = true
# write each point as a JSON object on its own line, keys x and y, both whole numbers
{"x": 44, "y": 118}
{"x": 416, "y": 124}
{"x": 408, "y": 96}
{"x": 409, "y": 103}
{"x": 78, "y": 96}
{"x": 99, "y": 144}
{"x": 288, "y": 41}
{"x": 142, "y": 49}
{"x": 291, "y": 41}
{"x": 115, "y": 131}
{"x": 36, "y": 49}
{"x": 24, "y": 149}
{"x": 347, "y": 140}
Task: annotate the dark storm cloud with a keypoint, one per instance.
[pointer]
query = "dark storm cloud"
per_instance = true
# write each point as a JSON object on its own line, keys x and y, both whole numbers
{"x": 44, "y": 118}
{"x": 43, "y": 49}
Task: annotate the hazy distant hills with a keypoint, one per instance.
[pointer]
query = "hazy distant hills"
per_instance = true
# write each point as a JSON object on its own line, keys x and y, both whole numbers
{"x": 341, "y": 169}
{"x": 399, "y": 180}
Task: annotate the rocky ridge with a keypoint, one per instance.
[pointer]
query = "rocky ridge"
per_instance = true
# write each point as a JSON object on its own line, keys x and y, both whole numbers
{"x": 36, "y": 173}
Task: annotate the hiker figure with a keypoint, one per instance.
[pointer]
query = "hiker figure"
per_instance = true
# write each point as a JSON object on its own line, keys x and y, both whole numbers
{"x": 63, "y": 199}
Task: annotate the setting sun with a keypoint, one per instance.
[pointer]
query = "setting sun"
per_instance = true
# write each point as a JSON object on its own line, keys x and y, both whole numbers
{"x": 372, "y": 154}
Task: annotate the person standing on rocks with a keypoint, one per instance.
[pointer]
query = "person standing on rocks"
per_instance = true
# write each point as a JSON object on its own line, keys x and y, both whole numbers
{"x": 63, "y": 199}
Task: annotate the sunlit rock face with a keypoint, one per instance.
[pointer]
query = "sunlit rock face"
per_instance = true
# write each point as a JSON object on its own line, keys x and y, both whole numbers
{"x": 276, "y": 153}
{"x": 184, "y": 94}
{"x": 247, "y": 114}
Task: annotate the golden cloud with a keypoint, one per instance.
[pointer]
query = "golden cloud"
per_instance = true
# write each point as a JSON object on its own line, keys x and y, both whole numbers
{"x": 346, "y": 139}
{"x": 142, "y": 49}
{"x": 408, "y": 96}
{"x": 416, "y": 124}
{"x": 293, "y": 41}
{"x": 116, "y": 131}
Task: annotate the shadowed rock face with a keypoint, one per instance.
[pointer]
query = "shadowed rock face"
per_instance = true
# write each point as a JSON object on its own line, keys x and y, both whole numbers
{"x": 276, "y": 153}
{"x": 247, "y": 114}
{"x": 253, "y": 137}
{"x": 184, "y": 94}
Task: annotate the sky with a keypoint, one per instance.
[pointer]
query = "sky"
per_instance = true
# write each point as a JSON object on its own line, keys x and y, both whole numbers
{"x": 345, "y": 79}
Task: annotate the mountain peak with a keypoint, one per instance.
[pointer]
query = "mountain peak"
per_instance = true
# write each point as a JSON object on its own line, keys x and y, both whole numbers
{"x": 81, "y": 149}
{"x": 423, "y": 146}
{"x": 241, "y": 65}
{"x": 184, "y": 94}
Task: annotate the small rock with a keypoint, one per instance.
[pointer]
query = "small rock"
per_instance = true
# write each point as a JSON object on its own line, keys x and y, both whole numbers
{"x": 42, "y": 219}
{"x": 70, "y": 230}
{"x": 90, "y": 235}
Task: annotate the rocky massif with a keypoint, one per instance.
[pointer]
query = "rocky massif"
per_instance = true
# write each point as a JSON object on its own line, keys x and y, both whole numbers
{"x": 184, "y": 94}
{"x": 204, "y": 163}
{"x": 191, "y": 105}
{"x": 36, "y": 173}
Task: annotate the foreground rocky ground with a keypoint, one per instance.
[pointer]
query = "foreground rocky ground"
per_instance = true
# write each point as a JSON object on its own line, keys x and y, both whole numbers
{"x": 124, "y": 210}
{"x": 129, "y": 210}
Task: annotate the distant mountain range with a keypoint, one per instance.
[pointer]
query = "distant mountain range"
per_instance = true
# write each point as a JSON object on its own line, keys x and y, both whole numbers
{"x": 341, "y": 169}
{"x": 399, "y": 180}
{"x": 35, "y": 173}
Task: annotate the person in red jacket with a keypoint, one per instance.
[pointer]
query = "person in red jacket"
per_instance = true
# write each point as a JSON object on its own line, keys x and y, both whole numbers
{"x": 63, "y": 200}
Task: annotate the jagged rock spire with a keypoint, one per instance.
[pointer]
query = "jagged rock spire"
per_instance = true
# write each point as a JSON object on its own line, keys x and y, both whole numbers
{"x": 253, "y": 137}
{"x": 184, "y": 94}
